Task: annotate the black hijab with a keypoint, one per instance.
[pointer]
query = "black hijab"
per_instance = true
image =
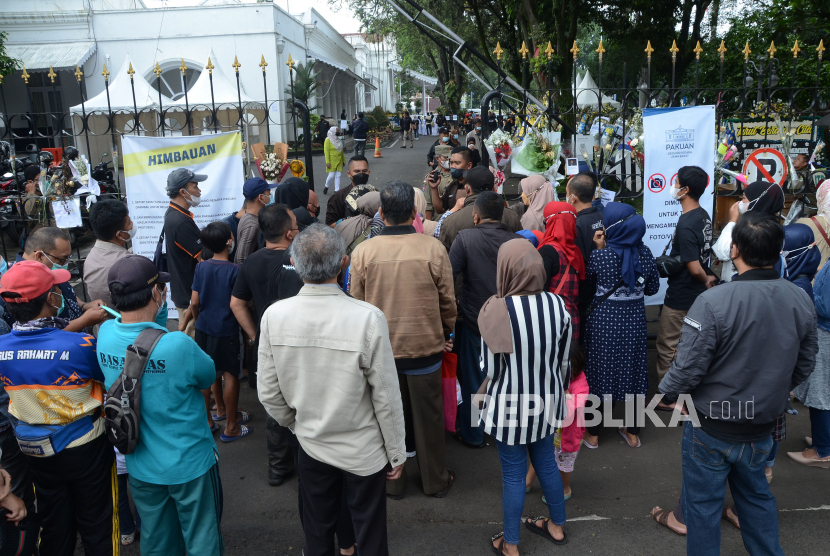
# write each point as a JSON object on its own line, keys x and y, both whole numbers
{"x": 764, "y": 197}
{"x": 293, "y": 192}
{"x": 304, "y": 218}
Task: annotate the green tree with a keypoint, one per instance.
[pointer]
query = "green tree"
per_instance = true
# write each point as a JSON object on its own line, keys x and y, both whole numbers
{"x": 8, "y": 65}
{"x": 305, "y": 83}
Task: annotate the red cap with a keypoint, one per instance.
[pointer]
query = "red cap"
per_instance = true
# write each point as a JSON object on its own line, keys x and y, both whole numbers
{"x": 26, "y": 280}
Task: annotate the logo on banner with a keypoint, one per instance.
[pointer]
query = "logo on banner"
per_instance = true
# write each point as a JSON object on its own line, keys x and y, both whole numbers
{"x": 680, "y": 142}
{"x": 766, "y": 164}
{"x": 656, "y": 183}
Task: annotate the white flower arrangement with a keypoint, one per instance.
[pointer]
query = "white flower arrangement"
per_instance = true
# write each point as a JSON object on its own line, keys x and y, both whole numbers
{"x": 271, "y": 166}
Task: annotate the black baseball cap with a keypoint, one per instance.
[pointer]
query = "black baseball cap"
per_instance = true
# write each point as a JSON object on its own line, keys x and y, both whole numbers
{"x": 136, "y": 273}
{"x": 31, "y": 172}
{"x": 480, "y": 179}
{"x": 256, "y": 186}
{"x": 180, "y": 177}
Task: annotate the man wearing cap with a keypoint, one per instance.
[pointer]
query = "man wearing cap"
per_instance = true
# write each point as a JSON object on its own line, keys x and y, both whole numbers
{"x": 477, "y": 180}
{"x": 184, "y": 250}
{"x": 436, "y": 188}
{"x": 174, "y": 474}
{"x": 257, "y": 194}
{"x": 56, "y": 391}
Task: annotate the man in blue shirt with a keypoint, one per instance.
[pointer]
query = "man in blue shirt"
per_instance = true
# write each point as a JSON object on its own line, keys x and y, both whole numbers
{"x": 174, "y": 474}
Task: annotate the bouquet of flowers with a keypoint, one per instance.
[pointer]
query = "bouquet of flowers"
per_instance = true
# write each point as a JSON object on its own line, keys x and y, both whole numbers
{"x": 786, "y": 134}
{"x": 270, "y": 167}
{"x": 498, "y": 178}
{"x": 500, "y": 147}
{"x": 816, "y": 156}
{"x": 538, "y": 152}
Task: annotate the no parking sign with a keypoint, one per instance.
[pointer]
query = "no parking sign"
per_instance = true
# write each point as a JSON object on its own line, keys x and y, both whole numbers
{"x": 766, "y": 164}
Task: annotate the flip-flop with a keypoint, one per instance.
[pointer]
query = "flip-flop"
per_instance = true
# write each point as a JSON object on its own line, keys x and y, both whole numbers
{"x": 661, "y": 516}
{"x": 530, "y": 523}
{"x": 499, "y": 550}
{"x": 245, "y": 417}
{"x": 214, "y": 428}
{"x": 589, "y": 445}
{"x": 243, "y": 431}
{"x": 627, "y": 441}
{"x": 443, "y": 493}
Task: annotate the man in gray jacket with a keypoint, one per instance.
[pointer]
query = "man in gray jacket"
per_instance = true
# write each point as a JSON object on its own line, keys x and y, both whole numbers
{"x": 336, "y": 389}
{"x": 744, "y": 346}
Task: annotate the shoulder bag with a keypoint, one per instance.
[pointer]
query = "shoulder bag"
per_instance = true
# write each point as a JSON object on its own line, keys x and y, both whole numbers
{"x": 668, "y": 266}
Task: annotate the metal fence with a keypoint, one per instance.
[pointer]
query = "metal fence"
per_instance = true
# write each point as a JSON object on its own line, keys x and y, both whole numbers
{"x": 764, "y": 92}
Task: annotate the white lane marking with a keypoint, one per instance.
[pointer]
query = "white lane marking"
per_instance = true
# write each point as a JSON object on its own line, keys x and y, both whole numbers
{"x": 822, "y": 507}
{"x": 393, "y": 144}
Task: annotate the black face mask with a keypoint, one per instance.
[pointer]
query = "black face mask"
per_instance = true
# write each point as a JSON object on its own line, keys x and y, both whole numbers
{"x": 360, "y": 179}
{"x": 456, "y": 173}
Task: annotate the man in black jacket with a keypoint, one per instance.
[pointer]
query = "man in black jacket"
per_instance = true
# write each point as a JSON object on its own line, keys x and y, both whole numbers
{"x": 580, "y": 192}
{"x": 739, "y": 377}
{"x": 474, "y": 254}
{"x": 360, "y": 130}
{"x": 406, "y": 130}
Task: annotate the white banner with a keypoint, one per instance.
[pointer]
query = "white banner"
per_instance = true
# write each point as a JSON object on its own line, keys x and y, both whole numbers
{"x": 149, "y": 160}
{"x": 674, "y": 137}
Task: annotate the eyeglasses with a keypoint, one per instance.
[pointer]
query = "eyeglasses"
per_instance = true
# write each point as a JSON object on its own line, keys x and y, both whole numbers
{"x": 60, "y": 261}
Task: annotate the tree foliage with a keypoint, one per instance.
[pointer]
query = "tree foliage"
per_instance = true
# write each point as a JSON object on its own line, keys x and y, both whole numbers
{"x": 8, "y": 65}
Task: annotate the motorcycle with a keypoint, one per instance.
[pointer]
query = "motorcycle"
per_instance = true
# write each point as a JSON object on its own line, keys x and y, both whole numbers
{"x": 104, "y": 176}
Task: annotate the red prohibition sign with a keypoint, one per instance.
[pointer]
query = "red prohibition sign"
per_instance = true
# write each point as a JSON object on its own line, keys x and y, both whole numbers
{"x": 752, "y": 159}
{"x": 656, "y": 183}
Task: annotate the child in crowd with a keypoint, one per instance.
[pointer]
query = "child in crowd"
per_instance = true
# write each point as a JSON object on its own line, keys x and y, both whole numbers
{"x": 217, "y": 331}
{"x": 568, "y": 439}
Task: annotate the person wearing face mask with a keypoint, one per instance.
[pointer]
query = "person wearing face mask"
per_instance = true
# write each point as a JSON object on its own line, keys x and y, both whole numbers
{"x": 461, "y": 161}
{"x": 113, "y": 228}
{"x": 181, "y": 234}
{"x": 268, "y": 276}
{"x": 759, "y": 197}
{"x": 455, "y": 135}
{"x": 173, "y": 472}
{"x": 475, "y": 134}
{"x": 692, "y": 241}
{"x": 56, "y": 387}
{"x": 258, "y": 193}
{"x": 335, "y": 158}
{"x": 343, "y": 204}
{"x": 50, "y": 247}
{"x": 443, "y": 139}
{"x": 439, "y": 186}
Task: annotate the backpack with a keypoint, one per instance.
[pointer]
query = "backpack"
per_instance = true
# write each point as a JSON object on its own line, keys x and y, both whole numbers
{"x": 122, "y": 410}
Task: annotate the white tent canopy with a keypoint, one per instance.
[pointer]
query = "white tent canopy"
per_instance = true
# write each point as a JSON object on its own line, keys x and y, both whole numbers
{"x": 224, "y": 91}
{"x": 586, "y": 93}
{"x": 121, "y": 94}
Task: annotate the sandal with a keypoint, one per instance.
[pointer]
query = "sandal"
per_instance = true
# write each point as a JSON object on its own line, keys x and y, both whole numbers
{"x": 733, "y": 518}
{"x": 530, "y": 523}
{"x": 245, "y": 417}
{"x": 446, "y": 490}
{"x": 243, "y": 431}
{"x": 500, "y": 550}
{"x": 661, "y": 516}
{"x": 627, "y": 441}
{"x": 588, "y": 444}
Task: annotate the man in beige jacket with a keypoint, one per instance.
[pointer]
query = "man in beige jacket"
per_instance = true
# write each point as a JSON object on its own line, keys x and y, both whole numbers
{"x": 408, "y": 276}
{"x": 326, "y": 371}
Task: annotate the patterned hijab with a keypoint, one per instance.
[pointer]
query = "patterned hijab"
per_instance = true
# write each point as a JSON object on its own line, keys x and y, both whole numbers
{"x": 823, "y": 199}
{"x": 336, "y": 141}
{"x": 624, "y": 231}
{"x": 519, "y": 271}
{"x": 539, "y": 192}
{"x": 560, "y": 230}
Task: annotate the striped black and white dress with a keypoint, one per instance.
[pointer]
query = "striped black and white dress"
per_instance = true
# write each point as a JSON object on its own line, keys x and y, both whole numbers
{"x": 525, "y": 398}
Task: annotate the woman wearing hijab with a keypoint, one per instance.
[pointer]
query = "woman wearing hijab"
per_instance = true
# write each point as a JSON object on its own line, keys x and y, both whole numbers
{"x": 760, "y": 197}
{"x": 293, "y": 192}
{"x": 615, "y": 332}
{"x": 564, "y": 264}
{"x": 422, "y": 225}
{"x": 820, "y": 223}
{"x": 335, "y": 158}
{"x": 537, "y": 192}
{"x": 351, "y": 229}
{"x": 518, "y": 365}
{"x": 815, "y": 391}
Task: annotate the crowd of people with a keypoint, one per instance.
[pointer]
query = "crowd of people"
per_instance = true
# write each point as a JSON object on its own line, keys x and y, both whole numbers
{"x": 343, "y": 327}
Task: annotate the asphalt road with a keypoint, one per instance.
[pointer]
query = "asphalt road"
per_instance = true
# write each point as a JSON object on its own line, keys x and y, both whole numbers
{"x": 614, "y": 487}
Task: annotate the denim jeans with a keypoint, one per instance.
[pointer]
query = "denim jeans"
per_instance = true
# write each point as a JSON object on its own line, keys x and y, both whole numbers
{"x": 820, "y": 426}
{"x": 708, "y": 463}
{"x": 471, "y": 376}
{"x": 514, "y": 469}
{"x": 125, "y": 514}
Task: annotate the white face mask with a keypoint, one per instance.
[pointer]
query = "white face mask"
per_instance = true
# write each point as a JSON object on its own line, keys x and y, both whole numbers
{"x": 675, "y": 193}
{"x": 743, "y": 207}
{"x": 445, "y": 164}
{"x": 130, "y": 233}
{"x": 194, "y": 200}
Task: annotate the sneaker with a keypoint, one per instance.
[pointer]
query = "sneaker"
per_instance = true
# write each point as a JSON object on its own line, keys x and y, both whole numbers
{"x": 325, "y": 190}
{"x": 127, "y": 540}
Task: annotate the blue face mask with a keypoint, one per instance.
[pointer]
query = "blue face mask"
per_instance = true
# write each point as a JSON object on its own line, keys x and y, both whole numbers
{"x": 60, "y": 266}
{"x": 445, "y": 139}
{"x": 63, "y": 304}
{"x": 478, "y": 128}
{"x": 455, "y": 136}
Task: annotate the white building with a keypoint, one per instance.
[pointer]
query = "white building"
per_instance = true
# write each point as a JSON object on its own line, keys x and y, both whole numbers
{"x": 93, "y": 33}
